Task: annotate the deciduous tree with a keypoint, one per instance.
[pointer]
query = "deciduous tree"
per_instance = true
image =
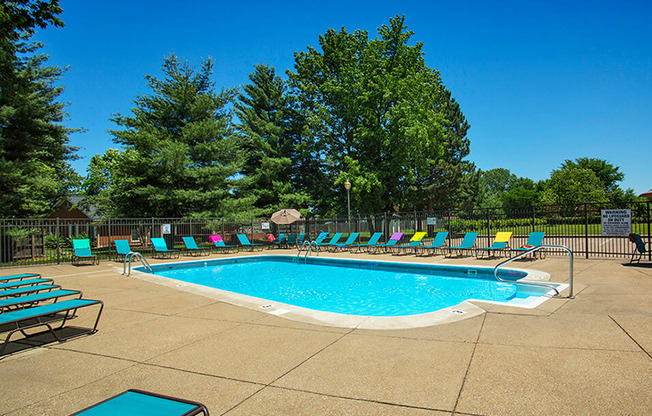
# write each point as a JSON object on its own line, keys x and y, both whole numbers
{"x": 376, "y": 115}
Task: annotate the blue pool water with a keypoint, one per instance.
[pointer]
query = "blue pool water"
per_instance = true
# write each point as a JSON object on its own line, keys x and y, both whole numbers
{"x": 350, "y": 287}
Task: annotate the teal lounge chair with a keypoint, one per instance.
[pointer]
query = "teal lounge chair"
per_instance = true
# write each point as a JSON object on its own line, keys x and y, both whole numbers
{"x": 292, "y": 240}
{"x": 300, "y": 238}
{"x": 19, "y": 277}
{"x": 467, "y": 244}
{"x": 193, "y": 249}
{"x": 82, "y": 252}
{"x": 219, "y": 244}
{"x": 30, "y": 300}
{"x": 122, "y": 248}
{"x": 161, "y": 249}
{"x": 332, "y": 241}
{"x": 372, "y": 241}
{"x": 347, "y": 244}
{"x": 535, "y": 239}
{"x": 500, "y": 244}
{"x": 414, "y": 242}
{"x": 281, "y": 240}
{"x": 436, "y": 245}
{"x": 139, "y": 402}
{"x": 244, "y": 242}
{"x": 639, "y": 247}
{"x": 46, "y": 315}
{"x": 25, "y": 290}
{"x": 321, "y": 237}
{"x": 395, "y": 238}
{"x": 13, "y": 284}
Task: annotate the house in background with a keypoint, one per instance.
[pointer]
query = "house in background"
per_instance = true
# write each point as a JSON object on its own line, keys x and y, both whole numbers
{"x": 79, "y": 218}
{"x": 74, "y": 208}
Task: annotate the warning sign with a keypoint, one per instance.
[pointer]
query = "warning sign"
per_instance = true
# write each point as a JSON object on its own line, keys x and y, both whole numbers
{"x": 616, "y": 222}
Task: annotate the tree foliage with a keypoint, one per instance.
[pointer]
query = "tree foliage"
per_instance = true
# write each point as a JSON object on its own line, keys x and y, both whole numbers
{"x": 34, "y": 144}
{"x": 180, "y": 153}
{"x": 265, "y": 129}
{"x": 377, "y": 116}
{"x": 572, "y": 185}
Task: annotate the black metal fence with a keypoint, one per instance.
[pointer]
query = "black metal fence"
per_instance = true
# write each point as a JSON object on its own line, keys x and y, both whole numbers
{"x": 48, "y": 241}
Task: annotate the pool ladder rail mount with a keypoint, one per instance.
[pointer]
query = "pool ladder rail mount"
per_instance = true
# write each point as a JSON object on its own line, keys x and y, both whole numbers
{"x": 138, "y": 256}
{"x": 308, "y": 250}
{"x": 539, "y": 284}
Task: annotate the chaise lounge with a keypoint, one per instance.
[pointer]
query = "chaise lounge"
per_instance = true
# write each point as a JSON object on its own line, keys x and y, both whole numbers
{"x": 82, "y": 252}
{"x": 139, "y": 402}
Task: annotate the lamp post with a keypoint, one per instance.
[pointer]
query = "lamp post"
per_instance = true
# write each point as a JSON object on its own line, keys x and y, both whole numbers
{"x": 347, "y": 185}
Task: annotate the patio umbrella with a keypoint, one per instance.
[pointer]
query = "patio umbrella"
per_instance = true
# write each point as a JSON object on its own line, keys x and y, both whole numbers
{"x": 647, "y": 194}
{"x": 285, "y": 216}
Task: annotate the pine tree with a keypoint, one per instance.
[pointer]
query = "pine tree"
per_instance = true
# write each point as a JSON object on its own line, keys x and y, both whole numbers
{"x": 34, "y": 144}
{"x": 180, "y": 153}
{"x": 265, "y": 129}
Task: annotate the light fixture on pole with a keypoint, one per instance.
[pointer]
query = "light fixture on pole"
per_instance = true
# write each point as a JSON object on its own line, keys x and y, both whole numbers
{"x": 347, "y": 185}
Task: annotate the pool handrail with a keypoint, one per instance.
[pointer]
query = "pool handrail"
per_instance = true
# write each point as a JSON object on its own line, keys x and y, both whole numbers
{"x": 539, "y": 284}
{"x": 140, "y": 257}
{"x": 308, "y": 250}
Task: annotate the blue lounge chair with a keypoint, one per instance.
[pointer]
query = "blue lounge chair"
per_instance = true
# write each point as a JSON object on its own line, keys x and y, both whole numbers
{"x": 161, "y": 249}
{"x": 29, "y": 300}
{"x": 292, "y": 241}
{"x": 19, "y": 277}
{"x": 437, "y": 244}
{"x": 281, "y": 240}
{"x": 139, "y": 402}
{"x": 467, "y": 244}
{"x": 122, "y": 248}
{"x": 219, "y": 244}
{"x": 321, "y": 237}
{"x": 13, "y": 284}
{"x": 24, "y": 290}
{"x": 82, "y": 252}
{"x": 639, "y": 247}
{"x": 372, "y": 241}
{"x": 393, "y": 240}
{"x": 191, "y": 246}
{"x": 300, "y": 238}
{"x": 501, "y": 241}
{"x": 244, "y": 242}
{"x": 332, "y": 241}
{"x": 415, "y": 241}
{"x": 46, "y": 315}
{"x": 535, "y": 239}
{"x": 347, "y": 244}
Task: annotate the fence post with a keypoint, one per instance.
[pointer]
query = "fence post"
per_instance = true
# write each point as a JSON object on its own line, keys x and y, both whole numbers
{"x": 109, "y": 228}
{"x": 649, "y": 252}
{"x": 488, "y": 227}
{"x": 534, "y": 218}
{"x": 253, "y": 240}
{"x": 586, "y": 230}
{"x": 58, "y": 245}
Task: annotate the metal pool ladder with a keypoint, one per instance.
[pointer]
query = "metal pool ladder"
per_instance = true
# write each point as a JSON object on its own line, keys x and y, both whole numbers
{"x": 138, "y": 256}
{"x": 308, "y": 250}
{"x": 532, "y": 251}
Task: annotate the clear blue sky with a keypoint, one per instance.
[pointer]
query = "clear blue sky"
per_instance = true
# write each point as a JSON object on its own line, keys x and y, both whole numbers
{"x": 539, "y": 81}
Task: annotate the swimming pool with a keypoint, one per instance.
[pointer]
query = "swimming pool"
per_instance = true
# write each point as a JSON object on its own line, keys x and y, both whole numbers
{"x": 354, "y": 287}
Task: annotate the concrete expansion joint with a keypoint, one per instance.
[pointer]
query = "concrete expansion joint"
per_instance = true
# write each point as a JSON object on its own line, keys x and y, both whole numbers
{"x": 468, "y": 366}
{"x": 630, "y": 336}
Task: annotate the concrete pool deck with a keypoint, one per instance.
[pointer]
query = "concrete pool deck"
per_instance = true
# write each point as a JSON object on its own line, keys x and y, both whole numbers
{"x": 590, "y": 355}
